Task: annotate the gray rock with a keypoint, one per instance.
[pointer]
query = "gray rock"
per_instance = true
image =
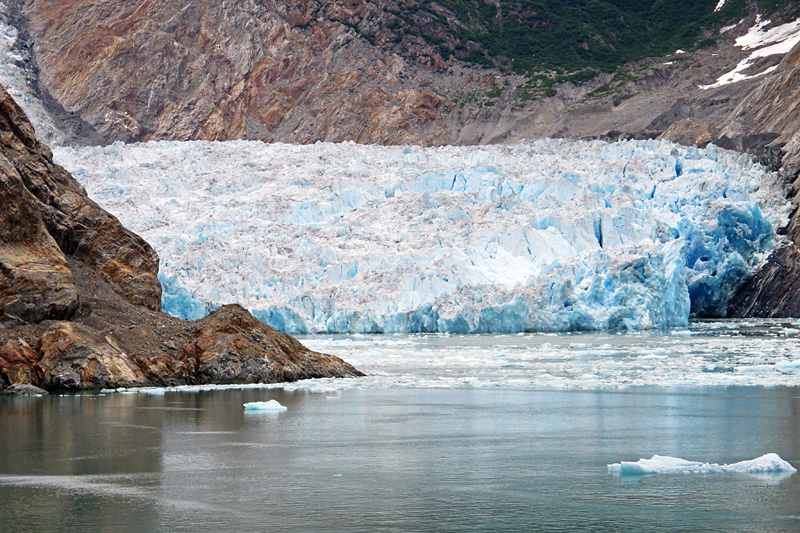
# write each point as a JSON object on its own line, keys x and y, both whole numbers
{"x": 23, "y": 389}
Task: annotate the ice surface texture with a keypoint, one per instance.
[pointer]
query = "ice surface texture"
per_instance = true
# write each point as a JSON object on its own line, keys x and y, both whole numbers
{"x": 770, "y": 463}
{"x": 272, "y": 405}
{"x": 539, "y": 236}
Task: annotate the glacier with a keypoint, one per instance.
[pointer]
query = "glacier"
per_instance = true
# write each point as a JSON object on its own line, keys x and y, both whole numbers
{"x": 546, "y": 235}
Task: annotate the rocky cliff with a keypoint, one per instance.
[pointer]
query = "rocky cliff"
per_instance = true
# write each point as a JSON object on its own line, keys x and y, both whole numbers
{"x": 391, "y": 71}
{"x": 216, "y": 70}
{"x": 773, "y": 291}
{"x": 80, "y": 300}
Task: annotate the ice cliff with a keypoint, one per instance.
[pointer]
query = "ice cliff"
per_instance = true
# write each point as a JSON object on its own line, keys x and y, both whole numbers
{"x": 538, "y": 236}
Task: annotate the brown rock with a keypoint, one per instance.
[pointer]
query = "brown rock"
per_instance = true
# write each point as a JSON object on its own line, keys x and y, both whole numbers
{"x": 35, "y": 282}
{"x": 45, "y": 210}
{"x": 18, "y": 363}
{"x": 73, "y": 357}
{"x": 220, "y": 70}
{"x": 690, "y": 132}
{"x": 233, "y": 347}
{"x": 167, "y": 371}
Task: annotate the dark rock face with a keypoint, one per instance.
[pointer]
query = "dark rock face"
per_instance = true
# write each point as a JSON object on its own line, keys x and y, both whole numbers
{"x": 62, "y": 257}
{"x": 231, "y": 346}
{"x": 18, "y": 363}
{"x": 772, "y": 291}
{"x": 46, "y": 216}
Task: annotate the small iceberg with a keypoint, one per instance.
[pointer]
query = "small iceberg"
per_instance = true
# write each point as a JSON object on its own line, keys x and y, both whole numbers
{"x": 271, "y": 405}
{"x": 770, "y": 463}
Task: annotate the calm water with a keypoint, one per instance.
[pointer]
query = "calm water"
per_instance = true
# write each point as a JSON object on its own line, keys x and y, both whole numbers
{"x": 395, "y": 459}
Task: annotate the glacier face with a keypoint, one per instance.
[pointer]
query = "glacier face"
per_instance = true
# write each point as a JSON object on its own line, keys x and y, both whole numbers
{"x": 549, "y": 235}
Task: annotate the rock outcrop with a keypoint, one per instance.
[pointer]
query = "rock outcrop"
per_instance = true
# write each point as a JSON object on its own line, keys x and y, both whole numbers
{"x": 47, "y": 215}
{"x": 230, "y": 346}
{"x": 80, "y": 297}
{"x": 773, "y": 107}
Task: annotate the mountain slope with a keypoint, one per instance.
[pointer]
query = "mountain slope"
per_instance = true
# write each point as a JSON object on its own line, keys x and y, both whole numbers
{"x": 400, "y": 71}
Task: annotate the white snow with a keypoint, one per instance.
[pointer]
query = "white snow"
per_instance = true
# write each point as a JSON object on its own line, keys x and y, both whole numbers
{"x": 272, "y": 405}
{"x": 539, "y": 236}
{"x": 770, "y": 463}
{"x": 764, "y": 43}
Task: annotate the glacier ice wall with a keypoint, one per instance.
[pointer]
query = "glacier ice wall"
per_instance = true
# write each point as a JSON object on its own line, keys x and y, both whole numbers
{"x": 549, "y": 235}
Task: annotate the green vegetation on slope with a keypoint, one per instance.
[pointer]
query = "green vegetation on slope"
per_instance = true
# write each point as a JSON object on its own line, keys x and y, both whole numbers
{"x": 528, "y": 36}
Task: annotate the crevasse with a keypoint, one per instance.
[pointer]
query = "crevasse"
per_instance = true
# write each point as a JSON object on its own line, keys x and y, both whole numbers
{"x": 549, "y": 235}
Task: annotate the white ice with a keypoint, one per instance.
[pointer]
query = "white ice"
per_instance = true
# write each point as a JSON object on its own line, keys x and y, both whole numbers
{"x": 539, "y": 236}
{"x": 770, "y": 463}
{"x": 272, "y": 405}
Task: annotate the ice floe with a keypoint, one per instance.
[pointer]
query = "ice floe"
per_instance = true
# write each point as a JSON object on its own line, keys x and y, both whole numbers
{"x": 770, "y": 463}
{"x": 271, "y": 405}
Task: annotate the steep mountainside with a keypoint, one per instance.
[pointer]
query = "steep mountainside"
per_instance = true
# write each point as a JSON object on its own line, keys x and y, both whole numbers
{"x": 391, "y": 71}
{"x": 220, "y": 70}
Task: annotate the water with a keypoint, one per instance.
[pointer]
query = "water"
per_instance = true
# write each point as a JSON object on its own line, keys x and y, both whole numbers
{"x": 391, "y": 456}
{"x": 717, "y": 353}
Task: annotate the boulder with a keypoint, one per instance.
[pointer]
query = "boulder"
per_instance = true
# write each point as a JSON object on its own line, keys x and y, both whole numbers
{"x": 18, "y": 363}
{"x": 231, "y": 346}
{"x": 72, "y": 356}
{"x": 690, "y": 132}
{"x": 23, "y": 389}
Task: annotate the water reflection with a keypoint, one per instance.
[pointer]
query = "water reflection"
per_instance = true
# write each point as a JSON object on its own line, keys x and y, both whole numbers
{"x": 394, "y": 459}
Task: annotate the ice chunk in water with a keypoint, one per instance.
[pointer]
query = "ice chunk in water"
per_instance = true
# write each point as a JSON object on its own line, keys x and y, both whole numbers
{"x": 272, "y": 405}
{"x": 770, "y": 463}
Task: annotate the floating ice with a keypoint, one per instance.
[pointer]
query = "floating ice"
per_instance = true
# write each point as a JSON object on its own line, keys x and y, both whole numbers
{"x": 539, "y": 236}
{"x": 770, "y": 463}
{"x": 271, "y": 405}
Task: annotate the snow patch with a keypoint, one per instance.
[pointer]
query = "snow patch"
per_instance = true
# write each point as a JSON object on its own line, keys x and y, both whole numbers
{"x": 770, "y": 463}
{"x": 781, "y": 39}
